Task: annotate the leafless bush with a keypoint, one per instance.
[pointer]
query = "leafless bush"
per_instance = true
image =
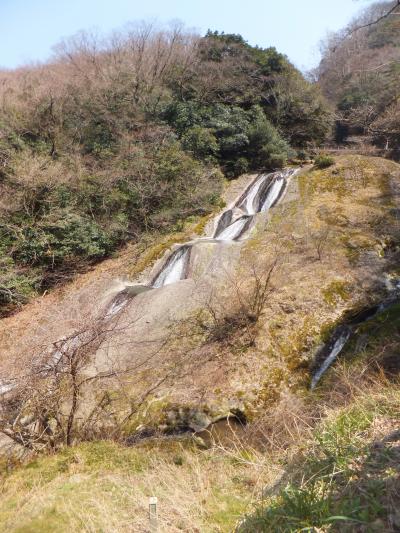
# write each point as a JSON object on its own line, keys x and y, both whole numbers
{"x": 232, "y": 321}
{"x": 321, "y": 240}
{"x": 65, "y": 396}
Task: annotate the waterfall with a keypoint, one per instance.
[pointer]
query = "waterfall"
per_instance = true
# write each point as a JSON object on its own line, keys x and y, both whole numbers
{"x": 259, "y": 197}
{"x": 234, "y": 230}
{"x": 273, "y": 194}
{"x": 223, "y": 222}
{"x": 264, "y": 192}
{"x": 118, "y": 303}
{"x": 330, "y": 351}
{"x": 174, "y": 269}
{"x": 123, "y": 296}
{"x": 250, "y": 195}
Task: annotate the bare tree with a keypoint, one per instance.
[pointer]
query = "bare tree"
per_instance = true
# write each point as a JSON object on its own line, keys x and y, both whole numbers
{"x": 231, "y": 320}
{"x": 321, "y": 241}
{"x": 65, "y": 397}
{"x": 387, "y": 11}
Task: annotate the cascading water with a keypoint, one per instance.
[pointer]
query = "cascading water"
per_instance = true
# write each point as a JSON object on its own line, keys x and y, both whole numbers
{"x": 330, "y": 351}
{"x": 174, "y": 269}
{"x": 259, "y": 197}
{"x": 273, "y": 194}
{"x": 262, "y": 194}
{"x": 118, "y": 303}
{"x": 122, "y": 298}
{"x": 224, "y": 221}
{"x": 247, "y": 204}
{"x": 234, "y": 230}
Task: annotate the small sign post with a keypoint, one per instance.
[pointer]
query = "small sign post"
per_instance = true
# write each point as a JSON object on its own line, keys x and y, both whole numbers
{"x": 153, "y": 514}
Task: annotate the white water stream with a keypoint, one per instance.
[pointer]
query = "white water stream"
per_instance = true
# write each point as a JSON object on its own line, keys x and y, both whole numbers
{"x": 234, "y": 230}
{"x": 259, "y": 197}
{"x": 262, "y": 194}
{"x": 174, "y": 269}
{"x": 273, "y": 194}
{"x": 248, "y": 204}
{"x": 334, "y": 351}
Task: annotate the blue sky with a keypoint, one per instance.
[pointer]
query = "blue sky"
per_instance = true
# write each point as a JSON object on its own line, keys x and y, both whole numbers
{"x": 29, "y": 28}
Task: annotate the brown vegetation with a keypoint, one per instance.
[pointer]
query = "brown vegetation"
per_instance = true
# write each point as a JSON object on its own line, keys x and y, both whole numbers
{"x": 359, "y": 74}
{"x": 124, "y": 136}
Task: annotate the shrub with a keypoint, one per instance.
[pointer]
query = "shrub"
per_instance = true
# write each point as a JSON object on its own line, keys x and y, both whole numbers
{"x": 239, "y": 139}
{"x": 201, "y": 142}
{"x": 302, "y": 155}
{"x": 267, "y": 148}
{"x": 68, "y": 237}
{"x": 277, "y": 160}
{"x": 323, "y": 161}
{"x": 241, "y": 166}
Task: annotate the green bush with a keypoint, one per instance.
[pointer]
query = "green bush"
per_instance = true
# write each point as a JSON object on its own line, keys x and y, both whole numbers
{"x": 201, "y": 142}
{"x": 100, "y": 156}
{"x": 241, "y": 166}
{"x": 66, "y": 238}
{"x": 323, "y": 161}
{"x": 302, "y": 155}
{"x": 239, "y": 139}
{"x": 16, "y": 285}
{"x": 276, "y": 160}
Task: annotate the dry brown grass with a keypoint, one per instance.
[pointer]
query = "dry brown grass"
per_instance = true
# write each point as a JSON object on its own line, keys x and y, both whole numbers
{"x": 104, "y": 486}
{"x": 266, "y": 379}
{"x": 101, "y": 486}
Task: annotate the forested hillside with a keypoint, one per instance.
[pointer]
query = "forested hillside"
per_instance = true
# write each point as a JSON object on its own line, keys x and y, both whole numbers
{"x": 211, "y": 335}
{"x": 116, "y": 137}
{"x": 360, "y": 75}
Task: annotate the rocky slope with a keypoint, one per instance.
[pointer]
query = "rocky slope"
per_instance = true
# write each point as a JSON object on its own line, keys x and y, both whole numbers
{"x": 188, "y": 354}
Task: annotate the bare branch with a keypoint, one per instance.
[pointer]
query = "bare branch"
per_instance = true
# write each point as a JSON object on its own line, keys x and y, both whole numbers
{"x": 391, "y": 11}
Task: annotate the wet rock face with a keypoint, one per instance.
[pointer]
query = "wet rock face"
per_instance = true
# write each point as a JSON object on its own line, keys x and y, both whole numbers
{"x": 234, "y": 224}
{"x": 329, "y": 352}
{"x": 340, "y": 336}
{"x": 175, "y": 268}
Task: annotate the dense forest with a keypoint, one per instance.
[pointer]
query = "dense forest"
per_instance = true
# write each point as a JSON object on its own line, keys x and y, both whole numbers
{"x": 116, "y": 137}
{"x": 360, "y": 75}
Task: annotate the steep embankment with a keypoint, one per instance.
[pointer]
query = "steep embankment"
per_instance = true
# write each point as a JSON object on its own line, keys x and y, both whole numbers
{"x": 333, "y": 245}
{"x": 359, "y": 74}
